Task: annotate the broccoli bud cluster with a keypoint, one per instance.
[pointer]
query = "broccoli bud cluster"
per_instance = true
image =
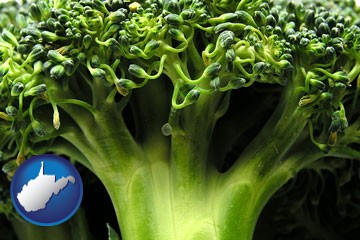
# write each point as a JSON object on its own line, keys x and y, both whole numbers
{"x": 203, "y": 47}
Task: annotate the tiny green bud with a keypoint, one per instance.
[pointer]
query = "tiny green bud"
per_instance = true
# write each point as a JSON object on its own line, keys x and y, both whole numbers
{"x": 226, "y": 39}
{"x": 304, "y": 42}
{"x": 136, "y": 50}
{"x": 259, "y": 47}
{"x": 215, "y": 83}
{"x": 188, "y": 14}
{"x": 340, "y": 85}
{"x": 113, "y": 44}
{"x": 34, "y": 32}
{"x": 50, "y": 23}
{"x": 259, "y": 18}
{"x": 69, "y": 33}
{"x": 111, "y": 31}
{"x": 192, "y": 96}
{"x": 316, "y": 48}
{"x": 121, "y": 87}
{"x": 340, "y": 26}
{"x": 134, "y": 6}
{"x": 286, "y": 56}
{"x": 91, "y": 13}
{"x": 277, "y": 30}
{"x": 57, "y": 71}
{"x": 212, "y": 70}
{"x": 323, "y": 29}
{"x": 117, "y": 16}
{"x": 98, "y": 74}
{"x": 245, "y": 17}
{"x": 260, "y": 67}
{"x": 124, "y": 39}
{"x": 137, "y": 71}
{"x": 35, "y": 91}
{"x": 27, "y": 40}
{"x": 81, "y": 57}
{"x": 87, "y": 40}
{"x": 11, "y": 111}
{"x": 319, "y": 20}
{"x": 38, "y": 128}
{"x": 95, "y": 61}
{"x": 335, "y": 32}
{"x": 237, "y": 83}
{"x": 177, "y": 34}
{"x": 317, "y": 84}
{"x": 223, "y": 18}
{"x": 10, "y": 167}
{"x": 265, "y": 6}
{"x": 285, "y": 64}
{"x": 4, "y": 19}
{"x": 341, "y": 76}
{"x": 172, "y": 6}
{"x": 309, "y": 17}
{"x": 203, "y": 18}
{"x": 44, "y": 8}
{"x": 5, "y": 117}
{"x": 20, "y": 21}
{"x": 230, "y": 55}
{"x": 74, "y": 52}
{"x": 269, "y": 29}
{"x": 38, "y": 67}
{"x": 47, "y": 65}
{"x": 228, "y": 26}
{"x": 326, "y": 96}
{"x": 270, "y": 20}
{"x": 56, "y": 120}
{"x": 338, "y": 122}
{"x": 69, "y": 66}
{"x": 60, "y": 11}
{"x": 100, "y": 5}
{"x": 63, "y": 19}
{"x": 151, "y": 46}
{"x": 307, "y": 99}
{"x": 59, "y": 27}
{"x": 330, "y": 53}
{"x": 36, "y": 53}
{"x": 9, "y": 37}
{"x": 17, "y": 89}
{"x": 55, "y": 56}
{"x": 49, "y": 36}
{"x": 126, "y": 83}
{"x": 331, "y": 21}
{"x": 35, "y": 12}
{"x": 173, "y": 19}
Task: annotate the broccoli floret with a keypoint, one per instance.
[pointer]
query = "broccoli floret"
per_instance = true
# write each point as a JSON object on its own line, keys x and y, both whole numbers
{"x": 138, "y": 92}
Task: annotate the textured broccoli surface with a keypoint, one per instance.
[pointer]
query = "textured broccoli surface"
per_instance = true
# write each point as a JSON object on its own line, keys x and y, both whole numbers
{"x": 191, "y": 113}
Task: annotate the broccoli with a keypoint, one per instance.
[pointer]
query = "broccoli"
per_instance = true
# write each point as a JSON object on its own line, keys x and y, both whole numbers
{"x": 191, "y": 113}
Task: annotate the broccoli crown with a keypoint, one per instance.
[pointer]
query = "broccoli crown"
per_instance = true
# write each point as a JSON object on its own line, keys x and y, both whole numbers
{"x": 60, "y": 52}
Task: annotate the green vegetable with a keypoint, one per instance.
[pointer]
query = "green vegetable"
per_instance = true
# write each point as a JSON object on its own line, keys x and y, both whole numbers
{"x": 191, "y": 113}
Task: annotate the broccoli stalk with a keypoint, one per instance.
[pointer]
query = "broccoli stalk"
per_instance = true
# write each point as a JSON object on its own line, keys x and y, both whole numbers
{"x": 136, "y": 92}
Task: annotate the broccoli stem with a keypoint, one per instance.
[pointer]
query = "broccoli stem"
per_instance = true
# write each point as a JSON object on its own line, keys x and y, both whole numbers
{"x": 75, "y": 228}
{"x": 168, "y": 187}
{"x": 27, "y": 231}
{"x": 178, "y": 196}
{"x": 173, "y": 191}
